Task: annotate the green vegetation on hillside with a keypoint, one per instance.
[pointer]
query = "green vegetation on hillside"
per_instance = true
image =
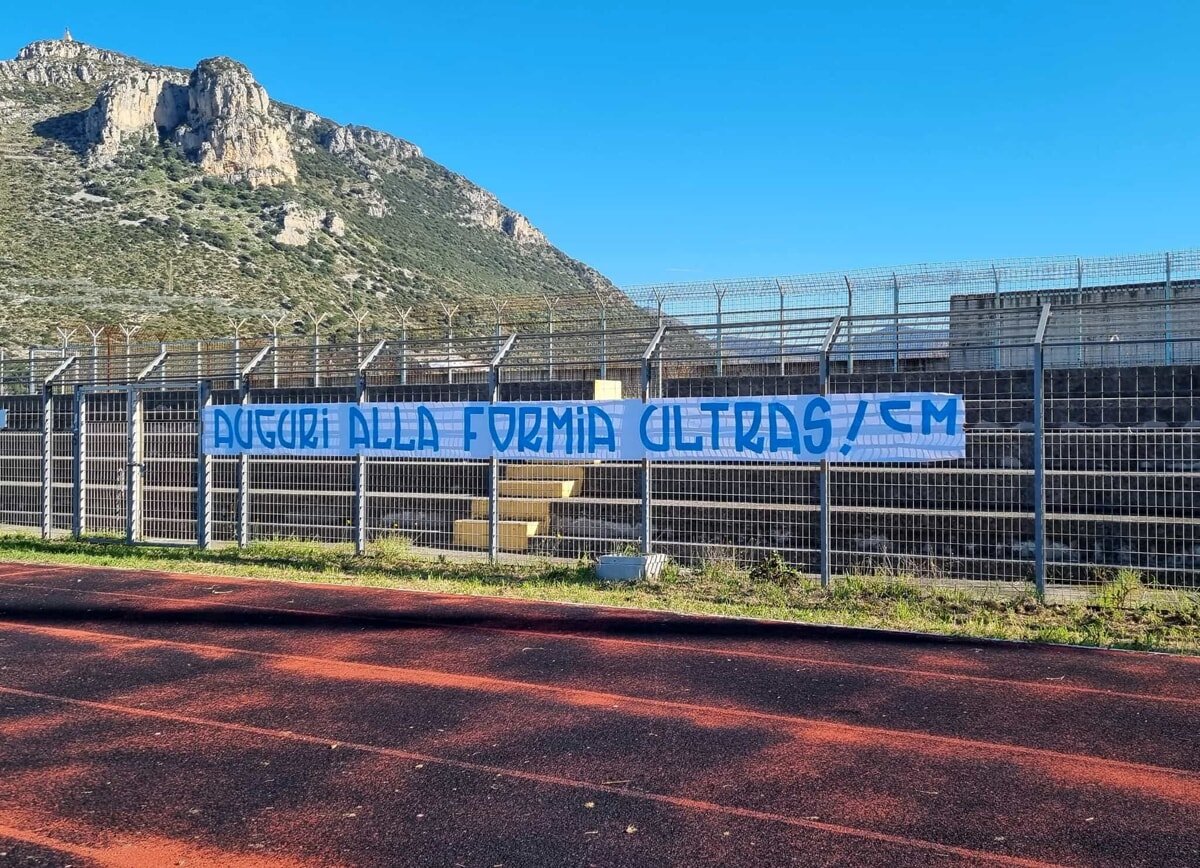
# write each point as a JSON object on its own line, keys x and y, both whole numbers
{"x": 150, "y": 237}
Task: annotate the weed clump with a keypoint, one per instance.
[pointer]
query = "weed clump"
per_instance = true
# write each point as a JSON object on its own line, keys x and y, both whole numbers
{"x": 774, "y": 570}
{"x": 1120, "y": 591}
{"x": 391, "y": 549}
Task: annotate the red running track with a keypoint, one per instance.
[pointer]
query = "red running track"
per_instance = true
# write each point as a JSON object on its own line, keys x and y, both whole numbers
{"x": 152, "y": 719}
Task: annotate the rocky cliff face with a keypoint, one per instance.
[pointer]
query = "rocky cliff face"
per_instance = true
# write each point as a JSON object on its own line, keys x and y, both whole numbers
{"x": 365, "y": 145}
{"x": 219, "y": 115}
{"x": 64, "y": 63}
{"x": 144, "y": 104}
{"x": 229, "y": 130}
{"x": 483, "y": 209}
{"x": 225, "y": 123}
{"x": 298, "y": 224}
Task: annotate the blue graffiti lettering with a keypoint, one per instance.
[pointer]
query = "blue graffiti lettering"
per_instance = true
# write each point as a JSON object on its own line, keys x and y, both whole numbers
{"x": 887, "y": 411}
{"x": 530, "y": 424}
{"x": 747, "y": 439}
{"x": 427, "y": 430}
{"x": 947, "y": 413}
{"x": 502, "y": 439}
{"x": 597, "y": 420}
{"x": 791, "y": 443}
{"x": 559, "y": 422}
{"x": 823, "y": 426}
{"x": 715, "y": 409}
{"x": 360, "y": 433}
{"x": 665, "y": 429}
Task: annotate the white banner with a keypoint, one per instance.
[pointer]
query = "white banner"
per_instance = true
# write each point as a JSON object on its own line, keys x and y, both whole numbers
{"x": 871, "y": 427}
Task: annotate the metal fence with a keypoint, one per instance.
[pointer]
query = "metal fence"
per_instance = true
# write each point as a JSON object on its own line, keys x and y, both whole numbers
{"x": 953, "y": 298}
{"x": 1083, "y": 451}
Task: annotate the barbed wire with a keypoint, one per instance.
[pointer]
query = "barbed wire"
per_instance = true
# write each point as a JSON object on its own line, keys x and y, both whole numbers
{"x": 921, "y": 288}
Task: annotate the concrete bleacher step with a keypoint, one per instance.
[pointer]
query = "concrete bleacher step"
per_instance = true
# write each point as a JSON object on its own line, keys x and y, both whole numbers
{"x": 606, "y": 390}
{"x": 514, "y": 535}
{"x": 516, "y": 509}
{"x": 547, "y": 470}
{"x": 542, "y": 488}
{"x": 524, "y": 499}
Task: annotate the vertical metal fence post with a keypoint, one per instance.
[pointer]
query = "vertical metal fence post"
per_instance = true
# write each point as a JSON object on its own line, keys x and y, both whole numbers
{"x": 133, "y": 463}
{"x": 996, "y": 317}
{"x": 203, "y": 468}
{"x": 79, "y": 466}
{"x": 658, "y": 375}
{"x": 316, "y": 319}
{"x": 493, "y": 487}
{"x": 135, "y": 447}
{"x": 779, "y": 286}
{"x": 32, "y": 372}
{"x": 658, "y": 369}
{"x": 450, "y": 311}
{"x": 603, "y": 342}
{"x": 1079, "y": 311}
{"x": 849, "y": 325}
{"x": 549, "y": 342}
{"x": 895, "y": 323}
{"x": 824, "y": 548}
{"x": 1169, "y": 349}
{"x": 404, "y": 354}
{"x": 360, "y": 472}
{"x": 243, "y": 477}
{"x": 47, "y": 460}
{"x": 646, "y": 483}
{"x": 47, "y": 517}
{"x": 360, "y": 460}
{"x": 1039, "y": 455}
{"x": 316, "y": 357}
{"x": 498, "y": 328}
{"x": 720, "y": 294}
{"x": 493, "y": 382}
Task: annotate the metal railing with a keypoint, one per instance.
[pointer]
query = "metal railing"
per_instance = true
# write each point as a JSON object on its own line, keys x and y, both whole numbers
{"x": 1083, "y": 453}
{"x": 962, "y": 295}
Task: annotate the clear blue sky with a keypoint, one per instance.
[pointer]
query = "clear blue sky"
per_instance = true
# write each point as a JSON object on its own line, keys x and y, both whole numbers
{"x": 695, "y": 140}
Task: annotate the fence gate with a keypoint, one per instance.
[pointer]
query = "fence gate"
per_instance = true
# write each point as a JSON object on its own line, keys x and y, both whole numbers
{"x": 136, "y": 462}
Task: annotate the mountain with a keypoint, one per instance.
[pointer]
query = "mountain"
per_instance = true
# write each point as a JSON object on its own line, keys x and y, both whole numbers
{"x": 188, "y": 200}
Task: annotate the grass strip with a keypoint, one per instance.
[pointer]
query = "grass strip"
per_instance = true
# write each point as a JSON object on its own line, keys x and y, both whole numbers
{"x": 1118, "y": 613}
